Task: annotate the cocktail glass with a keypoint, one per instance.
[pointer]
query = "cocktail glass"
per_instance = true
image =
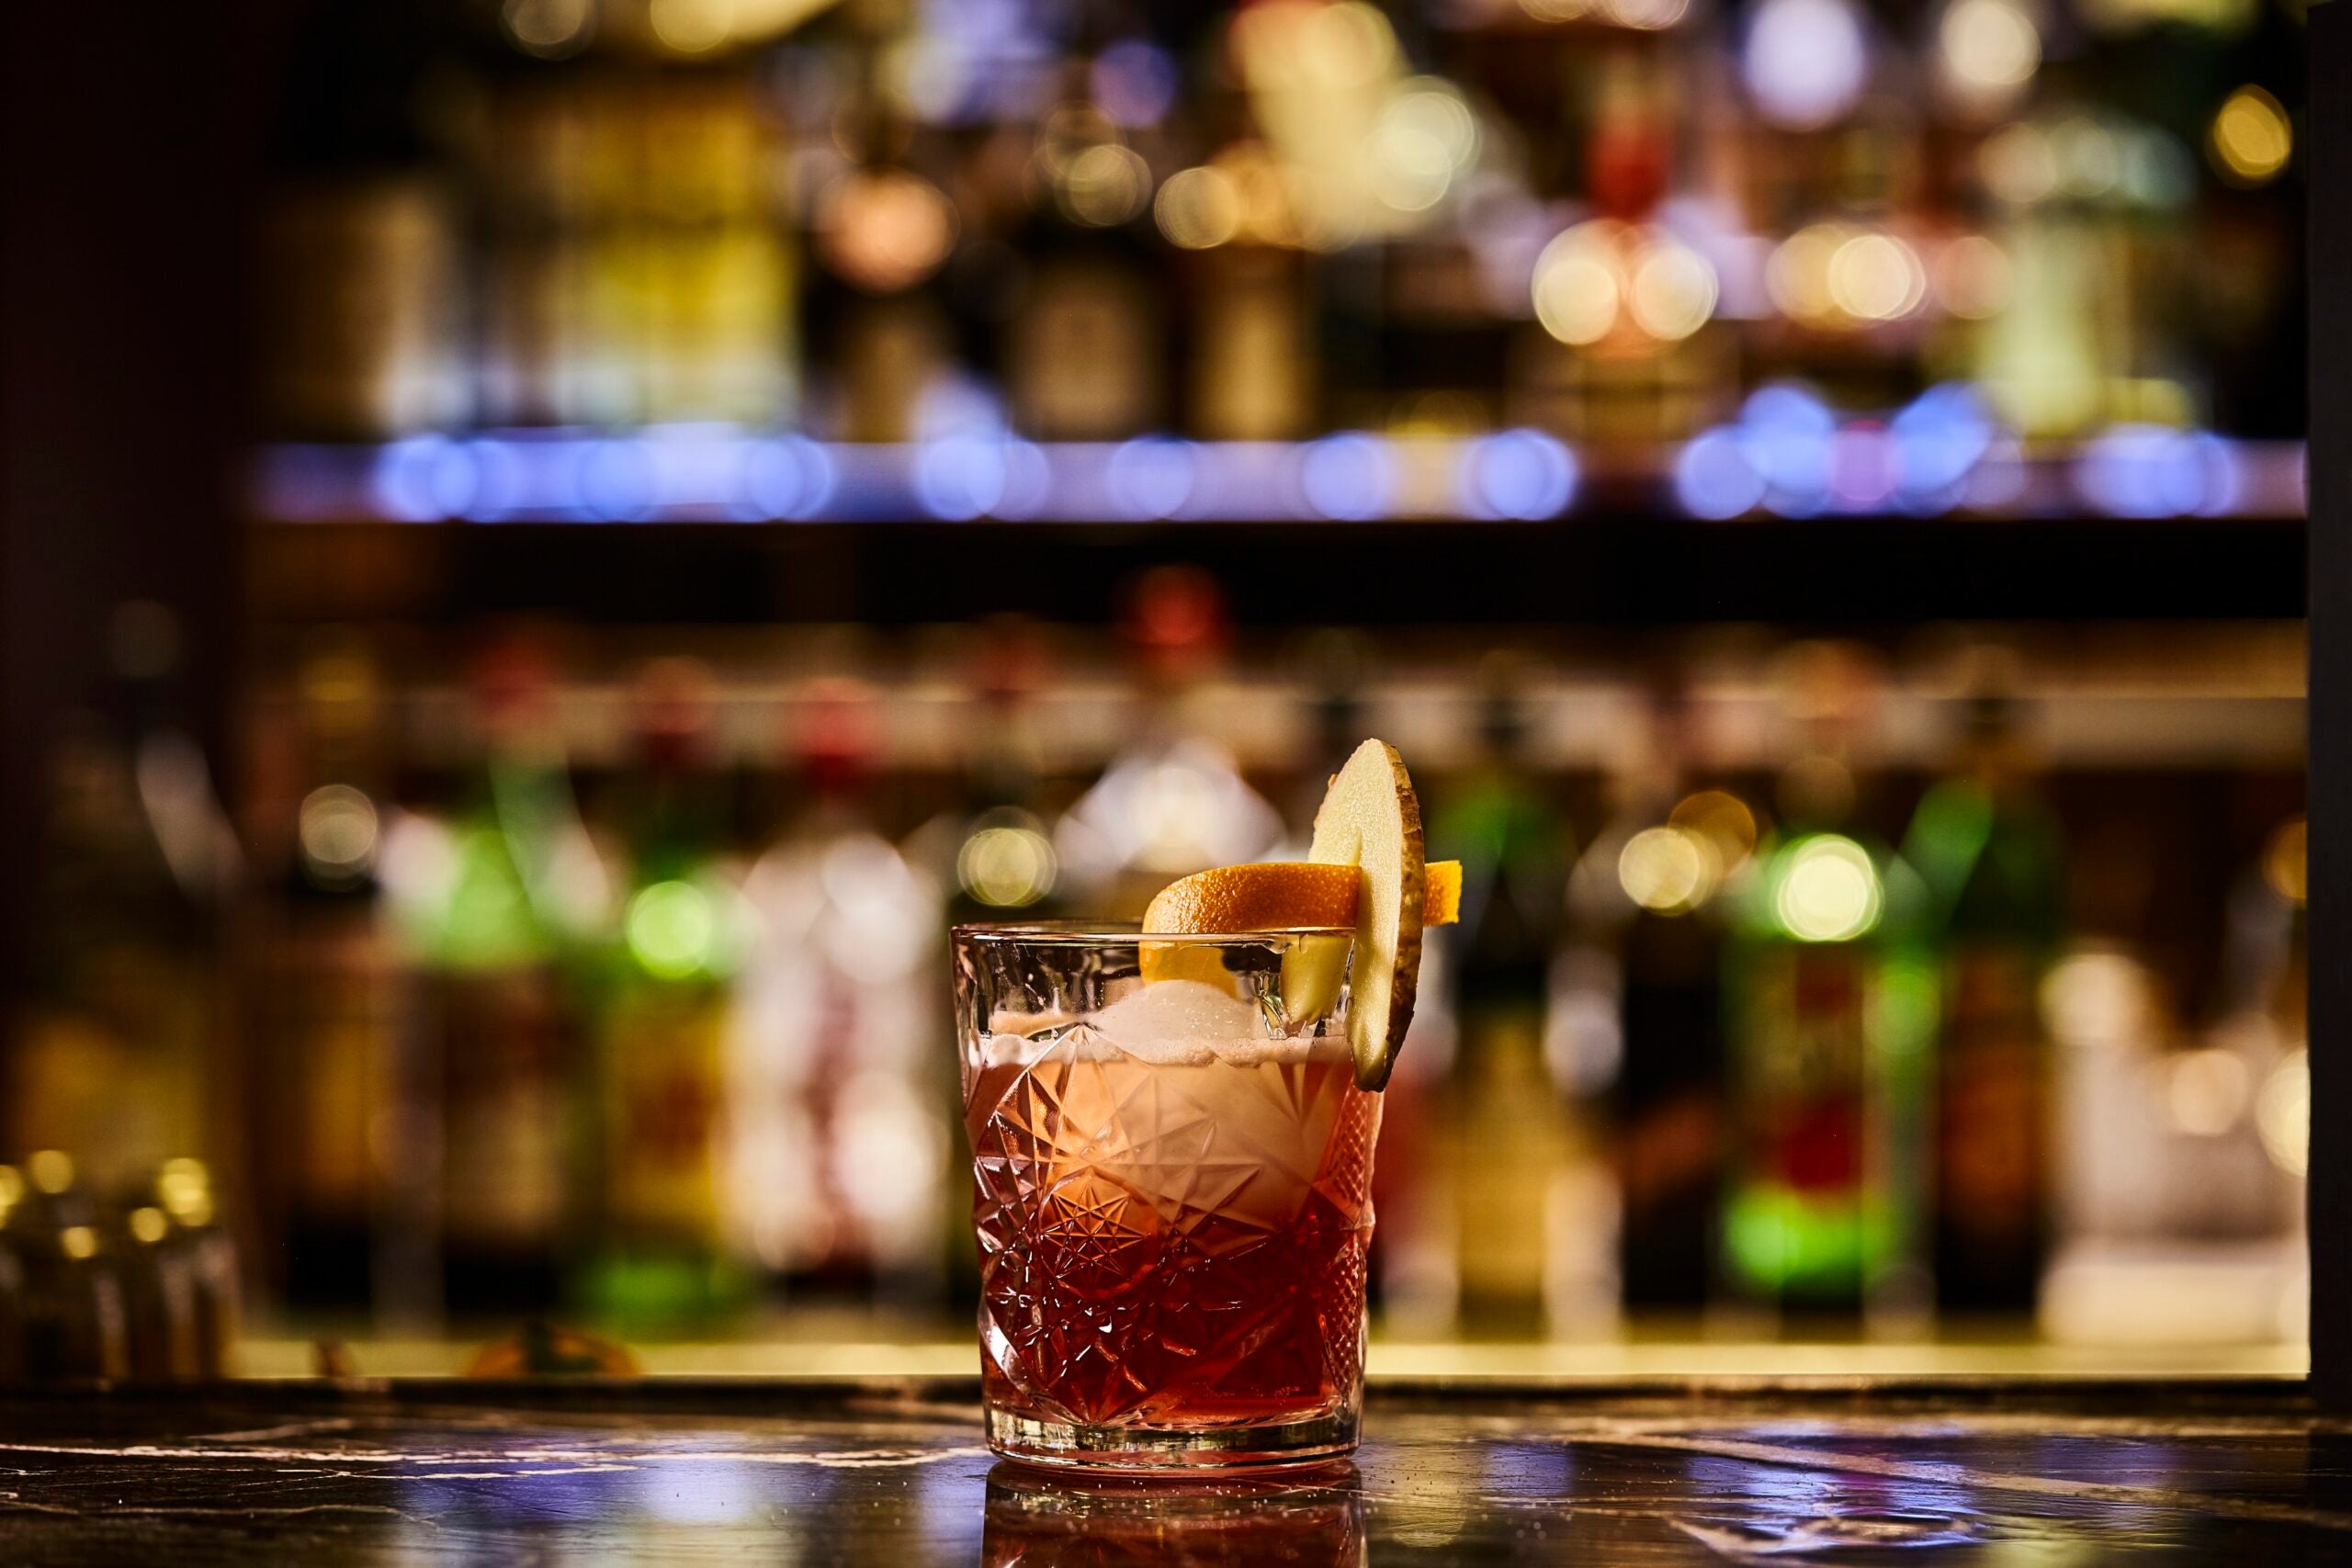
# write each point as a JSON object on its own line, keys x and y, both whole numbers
{"x": 1173, "y": 1193}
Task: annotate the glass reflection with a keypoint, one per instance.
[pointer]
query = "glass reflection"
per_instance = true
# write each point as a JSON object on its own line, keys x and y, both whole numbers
{"x": 1037, "y": 1518}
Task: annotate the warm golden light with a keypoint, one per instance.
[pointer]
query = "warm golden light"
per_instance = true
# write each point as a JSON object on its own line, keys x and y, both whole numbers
{"x": 2207, "y": 1091}
{"x": 1797, "y": 274}
{"x": 1008, "y": 866}
{"x": 1603, "y": 278}
{"x": 1667, "y": 870}
{"x": 691, "y": 26}
{"x": 2251, "y": 139}
{"x": 1424, "y": 135}
{"x": 885, "y": 229}
{"x": 338, "y": 828}
{"x": 2282, "y": 1114}
{"x": 1876, "y": 277}
{"x": 1103, "y": 185}
{"x": 2018, "y": 164}
{"x": 2285, "y": 860}
{"x": 1198, "y": 208}
{"x": 1988, "y": 50}
{"x": 1722, "y": 820}
{"x": 49, "y": 1170}
{"x": 1673, "y": 291}
{"x": 1645, "y": 16}
{"x": 1973, "y": 278}
{"x": 1576, "y": 287}
{"x": 552, "y": 29}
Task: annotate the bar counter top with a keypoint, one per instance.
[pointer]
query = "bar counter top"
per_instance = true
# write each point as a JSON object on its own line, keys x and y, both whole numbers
{"x": 892, "y": 1473}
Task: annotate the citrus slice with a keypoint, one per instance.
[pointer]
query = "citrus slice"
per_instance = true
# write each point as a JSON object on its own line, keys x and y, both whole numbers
{"x": 1286, "y": 895}
{"x": 1371, "y": 819}
{"x": 1367, "y": 874}
{"x": 1267, "y": 896}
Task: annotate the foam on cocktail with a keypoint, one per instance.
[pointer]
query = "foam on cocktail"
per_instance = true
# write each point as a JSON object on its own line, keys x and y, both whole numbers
{"x": 1165, "y": 1024}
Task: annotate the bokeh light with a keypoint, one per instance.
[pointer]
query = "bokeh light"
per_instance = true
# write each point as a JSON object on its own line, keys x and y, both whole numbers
{"x": 1828, "y": 890}
{"x": 1135, "y": 83}
{"x": 885, "y": 229}
{"x": 1153, "y": 477}
{"x": 2207, "y": 1092}
{"x": 1007, "y": 863}
{"x": 1349, "y": 478}
{"x": 1576, "y": 289}
{"x": 337, "y": 827}
{"x": 2282, "y": 1114}
{"x": 1667, "y": 870}
{"x": 1103, "y": 186}
{"x": 691, "y": 26}
{"x": 2145, "y": 470}
{"x": 2286, "y": 860}
{"x": 1639, "y": 285}
{"x": 671, "y": 930}
{"x": 1722, "y": 820}
{"x": 2251, "y": 137}
{"x": 1987, "y": 51}
{"x": 550, "y": 29}
{"x": 1199, "y": 209}
{"x": 1424, "y": 137}
{"x": 1972, "y": 278}
{"x": 1673, "y": 291}
{"x": 1805, "y": 61}
{"x": 1521, "y": 474}
{"x": 1876, "y": 277}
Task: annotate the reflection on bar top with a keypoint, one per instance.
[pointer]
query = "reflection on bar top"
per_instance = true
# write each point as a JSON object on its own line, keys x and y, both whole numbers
{"x": 936, "y": 1354}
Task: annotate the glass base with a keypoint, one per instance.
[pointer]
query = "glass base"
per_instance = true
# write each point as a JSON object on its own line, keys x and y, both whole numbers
{"x": 1179, "y": 1450}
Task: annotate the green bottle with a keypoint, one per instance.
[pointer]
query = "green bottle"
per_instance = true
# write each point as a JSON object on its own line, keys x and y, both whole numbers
{"x": 659, "y": 1261}
{"x": 1991, "y": 853}
{"x": 1830, "y": 997}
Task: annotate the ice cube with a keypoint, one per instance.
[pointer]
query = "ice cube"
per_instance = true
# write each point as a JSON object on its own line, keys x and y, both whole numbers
{"x": 1191, "y": 1013}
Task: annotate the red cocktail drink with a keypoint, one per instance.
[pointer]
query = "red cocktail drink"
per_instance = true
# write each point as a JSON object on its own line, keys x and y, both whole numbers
{"x": 1172, "y": 1199}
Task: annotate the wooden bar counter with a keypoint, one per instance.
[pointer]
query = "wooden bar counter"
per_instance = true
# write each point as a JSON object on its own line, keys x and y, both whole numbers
{"x": 892, "y": 1473}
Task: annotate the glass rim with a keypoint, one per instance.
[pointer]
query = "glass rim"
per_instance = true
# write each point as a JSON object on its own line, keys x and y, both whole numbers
{"x": 1080, "y": 933}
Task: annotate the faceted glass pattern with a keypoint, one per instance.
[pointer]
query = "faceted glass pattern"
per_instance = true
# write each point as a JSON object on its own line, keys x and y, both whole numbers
{"x": 1173, "y": 1213}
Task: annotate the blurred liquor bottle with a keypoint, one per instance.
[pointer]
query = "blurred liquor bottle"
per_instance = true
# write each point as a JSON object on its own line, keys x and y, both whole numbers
{"x": 203, "y": 1250}
{"x": 1253, "y": 372}
{"x": 656, "y": 1255}
{"x": 69, "y": 1318}
{"x": 878, "y": 314}
{"x": 1337, "y": 663}
{"x": 115, "y": 1064}
{"x": 159, "y": 1297}
{"x": 1173, "y": 800}
{"x": 1085, "y": 352}
{"x": 1625, "y": 351}
{"x": 837, "y": 1091}
{"x": 993, "y": 853}
{"x": 326, "y": 1011}
{"x": 633, "y": 270}
{"x": 1830, "y": 1000}
{"x": 1989, "y": 852}
{"x": 1520, "y": 1168}
{"x": 362, "y": 247}
{"x": 495, "y": 903}
{"x": 1638, "y": 990}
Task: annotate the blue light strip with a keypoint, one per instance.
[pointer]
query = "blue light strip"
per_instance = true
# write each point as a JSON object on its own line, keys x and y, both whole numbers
{"x": 1785, "y": 454}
